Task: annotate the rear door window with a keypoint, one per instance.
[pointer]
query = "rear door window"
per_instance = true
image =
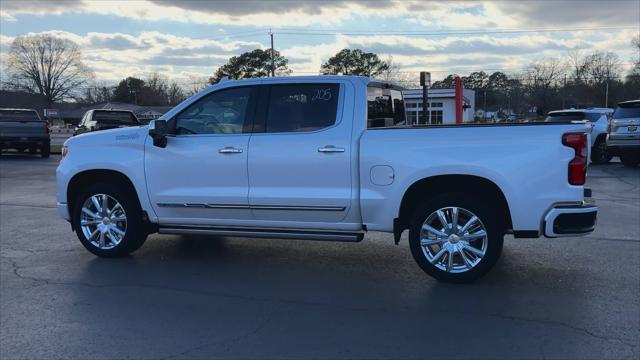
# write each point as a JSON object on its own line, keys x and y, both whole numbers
{"x": 301, "y": 107}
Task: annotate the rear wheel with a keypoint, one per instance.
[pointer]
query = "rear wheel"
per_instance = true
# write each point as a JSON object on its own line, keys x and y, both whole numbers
{"x": 600, "y": 153}
{"x": 456, "y": 238}
{"x": 108, "y": 220}
{"x": 630, "y": 158}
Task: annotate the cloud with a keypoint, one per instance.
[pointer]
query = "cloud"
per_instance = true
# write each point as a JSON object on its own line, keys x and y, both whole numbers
{"x": 571, "y": 13}
{"x": 241, "y": 8}
{"x": 301, "y": 13}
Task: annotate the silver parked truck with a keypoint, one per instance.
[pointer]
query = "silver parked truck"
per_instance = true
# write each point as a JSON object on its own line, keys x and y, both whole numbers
{"x": 22, "y": 130}
{"x": 623, "y": 137}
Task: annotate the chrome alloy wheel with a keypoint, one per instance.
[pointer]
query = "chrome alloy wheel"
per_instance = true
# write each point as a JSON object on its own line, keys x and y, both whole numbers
{"x": 103, "y": 221}
{"x": 453, "y": 239}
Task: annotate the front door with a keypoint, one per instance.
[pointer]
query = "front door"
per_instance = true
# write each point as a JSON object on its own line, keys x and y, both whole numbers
{"x": 200, "y": 177}
{"x": 300, "y": 157}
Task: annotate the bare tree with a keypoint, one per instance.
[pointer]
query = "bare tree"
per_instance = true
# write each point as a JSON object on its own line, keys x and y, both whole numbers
{"x": 602, "y": 66}
{"x": 196, "y": 84}
{"x": 97, "y": 93}
{"x": 175, "y": 94}
{"x": 542, "y": 79}
{"x": 395, "y": 74}
{"x": 46, "y": 65}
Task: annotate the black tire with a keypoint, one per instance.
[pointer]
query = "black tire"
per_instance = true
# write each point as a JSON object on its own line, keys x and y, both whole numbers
{"x": 630, "y": 158}
{"x": 475, "y": 204}
{"x": 45, "y": 150}
{"x": 135, "y": 232}
{"x": 600, "y": 153}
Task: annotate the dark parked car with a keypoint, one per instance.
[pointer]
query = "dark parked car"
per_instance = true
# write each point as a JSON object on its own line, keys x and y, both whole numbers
{"x": 95, "y": 120}
{"x": 23, "y": 129}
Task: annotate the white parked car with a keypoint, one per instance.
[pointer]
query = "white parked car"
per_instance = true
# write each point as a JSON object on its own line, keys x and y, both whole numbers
{"x": 599, "y": 120}
{"x": 304, "y": 158}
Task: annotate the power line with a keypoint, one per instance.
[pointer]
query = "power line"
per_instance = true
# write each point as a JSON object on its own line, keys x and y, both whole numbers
{"x": 319, "y": 32}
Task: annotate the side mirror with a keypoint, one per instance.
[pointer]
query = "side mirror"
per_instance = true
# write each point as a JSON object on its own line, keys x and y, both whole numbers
{"x": 158, "y": 132}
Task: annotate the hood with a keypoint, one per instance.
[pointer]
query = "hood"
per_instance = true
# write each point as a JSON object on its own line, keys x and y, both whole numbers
{"x": 133, "y": 134}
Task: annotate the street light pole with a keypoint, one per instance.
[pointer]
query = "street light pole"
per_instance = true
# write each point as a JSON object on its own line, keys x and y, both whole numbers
{"x": 425, "y": 81}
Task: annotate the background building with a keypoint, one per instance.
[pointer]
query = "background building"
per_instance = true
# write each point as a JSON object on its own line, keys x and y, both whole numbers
{"x": 441, "y": 105}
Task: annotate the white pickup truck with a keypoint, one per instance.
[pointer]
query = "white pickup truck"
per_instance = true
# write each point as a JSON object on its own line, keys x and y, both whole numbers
{"x": 326, "y": 158}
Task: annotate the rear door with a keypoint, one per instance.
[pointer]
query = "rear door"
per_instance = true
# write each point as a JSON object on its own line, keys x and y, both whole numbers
{"x": 300, "y": 154}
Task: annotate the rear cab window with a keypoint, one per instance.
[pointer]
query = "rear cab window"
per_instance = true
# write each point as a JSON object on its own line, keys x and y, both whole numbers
{"x": 385, "y": 106}
{"x": 115, "y": 117}
{"x": 301, "y": 107}
{"x": 7, "y": 115}
{"x": 567, "y": 116}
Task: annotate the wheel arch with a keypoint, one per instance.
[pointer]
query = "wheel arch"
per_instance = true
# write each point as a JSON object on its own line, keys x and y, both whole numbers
{"x": 429, "y": 186}
{"x": 86, "y": 177}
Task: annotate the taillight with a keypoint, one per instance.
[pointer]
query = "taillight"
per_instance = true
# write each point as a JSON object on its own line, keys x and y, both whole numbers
{"x": 48, "y": 127}
{"x": 577, "y": 165}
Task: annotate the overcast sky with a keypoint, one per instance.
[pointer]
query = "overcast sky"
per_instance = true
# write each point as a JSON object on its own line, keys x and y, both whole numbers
{"x": 191, "y": 38}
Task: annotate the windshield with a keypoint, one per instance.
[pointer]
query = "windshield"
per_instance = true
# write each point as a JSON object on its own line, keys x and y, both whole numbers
{"x": 385, "y": 107}
{"x": 627, "y": 111}
{"x": 19, "y": 115}
{"x": 115, "y": 117}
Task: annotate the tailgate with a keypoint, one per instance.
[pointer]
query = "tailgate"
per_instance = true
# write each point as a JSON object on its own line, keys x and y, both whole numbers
{"x": 26, "y": 129}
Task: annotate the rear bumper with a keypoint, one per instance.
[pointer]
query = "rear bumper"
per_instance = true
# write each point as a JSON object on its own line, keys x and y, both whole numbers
{"x": 620, "y": 143}
{"x": 570, "y": 220}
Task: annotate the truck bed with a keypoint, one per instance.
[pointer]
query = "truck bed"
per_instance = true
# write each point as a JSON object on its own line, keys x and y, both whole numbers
{"x": 518, "y": 158}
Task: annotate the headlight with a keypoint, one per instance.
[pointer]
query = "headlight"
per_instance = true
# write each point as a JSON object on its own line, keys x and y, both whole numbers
{"x": 64, "y": 151}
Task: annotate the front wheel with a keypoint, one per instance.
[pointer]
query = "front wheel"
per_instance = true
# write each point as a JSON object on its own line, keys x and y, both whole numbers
{"x": 455, "y": 238}
{"x": 108, "y": 220}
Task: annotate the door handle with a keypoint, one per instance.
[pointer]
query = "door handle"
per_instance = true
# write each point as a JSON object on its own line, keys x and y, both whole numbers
{"x": 330, "y": 149}
{"x": 230, "y": 150}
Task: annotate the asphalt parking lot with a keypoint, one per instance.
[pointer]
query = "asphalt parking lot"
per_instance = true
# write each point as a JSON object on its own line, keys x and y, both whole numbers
{"x": 187, "y": 297}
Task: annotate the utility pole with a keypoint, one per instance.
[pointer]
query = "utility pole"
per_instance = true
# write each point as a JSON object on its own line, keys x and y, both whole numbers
{"x": 606, "y": 94}
{"x": 273, "y": 64}
{"x": 564, "y": 90}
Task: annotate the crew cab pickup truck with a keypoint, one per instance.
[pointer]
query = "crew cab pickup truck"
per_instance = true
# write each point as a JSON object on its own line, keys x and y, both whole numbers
{"x": 99, "y": 119}
{"x": 302, "y": 158}
{"x": 23, "y": 129}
